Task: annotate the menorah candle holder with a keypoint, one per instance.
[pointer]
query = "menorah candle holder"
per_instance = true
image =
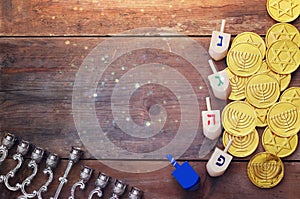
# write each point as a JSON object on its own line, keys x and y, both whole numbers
{"x": 118, "y": 190}
{"x": 51, "y": 164}
{"x": 22, "y": 150}
{"x": 36, "y": 157}
{"x": 135, "y": 193}
{"x": 74, "y": 157}
{"x": 7, "y": 142}
{"x": 85, "y": 175}
{"x": 100, "y": 183}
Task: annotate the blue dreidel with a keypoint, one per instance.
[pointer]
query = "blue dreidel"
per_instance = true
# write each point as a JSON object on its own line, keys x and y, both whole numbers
{"x": 219, "y": 161}
{"x": 185, "y": 175}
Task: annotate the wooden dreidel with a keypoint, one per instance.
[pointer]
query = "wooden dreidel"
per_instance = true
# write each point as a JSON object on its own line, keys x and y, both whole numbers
{"x": 219, "y": 82}
{"x": 219, "y": 161}
{"x": 185, "y": 175}
{"x": 219, "y": 43}
{"x": 211, "y": 122}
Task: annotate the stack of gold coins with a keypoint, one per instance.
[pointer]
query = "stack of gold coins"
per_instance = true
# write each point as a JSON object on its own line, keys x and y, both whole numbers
{"x": 259, "y": 74}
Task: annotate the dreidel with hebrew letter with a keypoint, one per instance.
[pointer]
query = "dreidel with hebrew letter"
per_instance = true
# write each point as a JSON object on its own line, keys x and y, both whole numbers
{"x": 211, "y": 122}
{"x": 219, "y": 82}
{"x": 219, "y": 43}
{"x": 185, "y": 175}
{"x": 219, "y": 161}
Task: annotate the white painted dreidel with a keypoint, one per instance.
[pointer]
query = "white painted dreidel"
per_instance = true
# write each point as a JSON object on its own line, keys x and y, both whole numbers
{"x": 219, "y": 82}
{"x": 211, "y": 122}
{"x": 219, "y": 43}
{"x": 219, "y": 161}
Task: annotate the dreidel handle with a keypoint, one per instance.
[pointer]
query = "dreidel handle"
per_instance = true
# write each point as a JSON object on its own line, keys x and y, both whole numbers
{"x": 228, "y": 145}
{"x": 173, "y": 161}
{"x": 212, "y": 66}
{"x": 208, "y": 106}
{"x": 222, "y": 25}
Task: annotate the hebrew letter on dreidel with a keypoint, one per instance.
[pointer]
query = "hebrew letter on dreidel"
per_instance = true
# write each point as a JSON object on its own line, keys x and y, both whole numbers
{"x": 219, "y": 161}
{"x": 219, "y": 82}
{"x": 219, "y": 43}
{"x": 211, "y": 122}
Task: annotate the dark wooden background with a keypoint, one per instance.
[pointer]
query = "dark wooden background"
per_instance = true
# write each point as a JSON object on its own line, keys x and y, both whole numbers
{"x": 42, "y": 45}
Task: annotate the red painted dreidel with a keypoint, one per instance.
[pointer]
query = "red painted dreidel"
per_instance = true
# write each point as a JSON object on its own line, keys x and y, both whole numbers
{"x": 185, "y": 175}
{"x": 211, "y": 122}
{"x": 219, "y": 82}
{"x": 219, "y": 43}
{"x": 219, "y": 161}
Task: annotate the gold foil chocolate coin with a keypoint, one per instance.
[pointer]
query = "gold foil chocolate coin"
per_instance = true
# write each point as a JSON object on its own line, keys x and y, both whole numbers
{"x": 265, "y": 170}
{"x": 251, "y": 38}
{"x": 242, "y": 146}
{"x": 283, "y": 10}
{"x": 291, "y": 95}
{"x": 262, "y": 90}
{"x": 244, "y": 59}
{"x": 261, "y": 114}
{"x": 283, "y": 57}
{"x": 283, "y": 80}
{"x": 282, "y": 31}
{"x": 239, "y": 118}
{"x": 284, "y": 119}
{"x": 237, "y": 84}
{"x": 280, "y": 146}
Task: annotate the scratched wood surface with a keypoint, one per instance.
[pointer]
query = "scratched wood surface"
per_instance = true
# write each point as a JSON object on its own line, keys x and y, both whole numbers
{"x": 42, "y": 46}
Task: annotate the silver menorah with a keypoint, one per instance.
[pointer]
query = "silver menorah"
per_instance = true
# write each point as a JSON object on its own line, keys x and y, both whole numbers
{"x": 74, "y": 157}
{"x": 36, "y": 157}
{"x": 85, "y": 175}
{"x": 7, "y": 142}
{"x": 51, "y": 163}
{"x": 118, "y": 190}
{"x": 22, "y": 150}
{"x": 135, "y": 193}
{"x": 100, "y": 183}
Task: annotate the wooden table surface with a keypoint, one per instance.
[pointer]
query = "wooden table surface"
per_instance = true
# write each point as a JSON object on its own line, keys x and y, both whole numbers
{"x": 42, "y": 46}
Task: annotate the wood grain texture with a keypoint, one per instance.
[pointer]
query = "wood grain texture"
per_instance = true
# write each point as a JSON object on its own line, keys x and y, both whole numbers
{"x": 43, "y": 44}
{"x": 37, "y": 84}
{"x": 96, "y": 17}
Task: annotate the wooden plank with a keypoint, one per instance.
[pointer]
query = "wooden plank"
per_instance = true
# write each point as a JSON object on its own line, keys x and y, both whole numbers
{"x": 193, "y": 17}
{"x": 160, "y": 184}
{"x": 37, "y": 76}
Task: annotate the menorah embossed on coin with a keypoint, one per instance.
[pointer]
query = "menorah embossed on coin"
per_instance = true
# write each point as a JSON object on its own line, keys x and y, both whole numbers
{"x": 267, "y": 171}
{"x": 285, "y": 120}
{"x": 240, "y": 120}
{"x": 244, "y": 60}
{"x": 237, "y": 84}
{"x": 263, "y": 92}
{"x": 241, "y": 143}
